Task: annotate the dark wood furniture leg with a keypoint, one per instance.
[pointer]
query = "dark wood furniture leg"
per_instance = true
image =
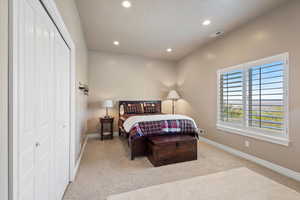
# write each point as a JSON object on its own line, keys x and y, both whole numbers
{"x": 101, "y": 132}
{"x": 112, "y": 130}
{"x": 132, "y": 156}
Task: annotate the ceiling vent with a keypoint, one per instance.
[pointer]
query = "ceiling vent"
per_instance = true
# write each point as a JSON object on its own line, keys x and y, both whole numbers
{"x": 218, "y": 34}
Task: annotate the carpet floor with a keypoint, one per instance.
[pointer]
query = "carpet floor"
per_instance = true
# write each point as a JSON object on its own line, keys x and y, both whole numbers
{"x": 106, "y": 170}
{"x": 231, "y": 185}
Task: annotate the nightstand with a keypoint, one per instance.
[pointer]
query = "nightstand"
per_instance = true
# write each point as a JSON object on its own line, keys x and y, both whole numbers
{"x": 107, "y": 124}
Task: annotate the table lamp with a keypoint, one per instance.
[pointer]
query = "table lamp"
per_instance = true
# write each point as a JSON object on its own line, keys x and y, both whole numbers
{"x": 174, "y": 96}
{"x": 107, "y": 104}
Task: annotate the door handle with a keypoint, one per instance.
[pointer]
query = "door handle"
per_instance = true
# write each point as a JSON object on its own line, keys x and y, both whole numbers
{"x": 65, "y": 125}
{"x": 37, "y": 144}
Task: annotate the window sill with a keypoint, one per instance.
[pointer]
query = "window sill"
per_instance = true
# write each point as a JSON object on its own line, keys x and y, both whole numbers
{"x": 253, "y": 134}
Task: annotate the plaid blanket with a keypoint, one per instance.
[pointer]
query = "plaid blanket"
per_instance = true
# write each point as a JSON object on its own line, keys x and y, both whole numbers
{"x": 163, "y": 127}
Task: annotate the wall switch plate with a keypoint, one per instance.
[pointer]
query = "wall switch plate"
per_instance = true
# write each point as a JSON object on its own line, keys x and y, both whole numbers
{"x": 247, "y": 143}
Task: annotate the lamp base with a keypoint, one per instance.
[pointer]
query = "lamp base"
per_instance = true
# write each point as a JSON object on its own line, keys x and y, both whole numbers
{"x": 106, "y": 114}
{"x": 173, "y": 107}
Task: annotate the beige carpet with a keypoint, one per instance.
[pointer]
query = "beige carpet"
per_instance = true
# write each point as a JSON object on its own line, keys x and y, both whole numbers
{"x": 235, "y": 184}
{"x": 107, "y": 170}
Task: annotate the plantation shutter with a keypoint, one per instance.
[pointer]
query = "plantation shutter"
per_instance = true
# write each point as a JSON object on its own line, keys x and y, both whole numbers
{"x": 253, "y": 99}
{"x": 231, "y": 97}
{"x": 266, "y": 96}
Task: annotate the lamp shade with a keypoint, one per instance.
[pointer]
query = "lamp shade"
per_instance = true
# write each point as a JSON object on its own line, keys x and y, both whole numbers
{"x": 107, "y": 104}
{"x": 173, "y": 95}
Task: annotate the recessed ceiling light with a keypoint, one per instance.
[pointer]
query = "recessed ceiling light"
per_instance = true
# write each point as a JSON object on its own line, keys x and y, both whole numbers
{"x": 206, "y": 22}
{"x": 126, "y": 4}
{"x": 169, "y": 50}
{"x": 116, "y": 43}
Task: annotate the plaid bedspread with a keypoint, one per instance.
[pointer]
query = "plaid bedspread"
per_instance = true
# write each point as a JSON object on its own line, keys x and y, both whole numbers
{"x": 163, "y": 127}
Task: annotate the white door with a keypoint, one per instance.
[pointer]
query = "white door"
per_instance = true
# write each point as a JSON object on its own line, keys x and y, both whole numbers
{"x": 44, "y": 103}
{"x": 35, "y": 116}
{"x": 62, "y": 113}
{"x": 42, "y": 96}
{"x": 26, "y": 154}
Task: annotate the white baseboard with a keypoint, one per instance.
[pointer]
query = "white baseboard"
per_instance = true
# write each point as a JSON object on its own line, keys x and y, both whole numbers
{"x": 88, "y": 136}
{"x": 93, "y": 135}
{"x": 277, "y": 168}
{"x": 80, "y": 157}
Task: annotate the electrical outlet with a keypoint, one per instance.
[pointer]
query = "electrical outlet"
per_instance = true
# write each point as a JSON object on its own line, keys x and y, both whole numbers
{"x": 247, "y": 143}
{"x": 202, "y": 131}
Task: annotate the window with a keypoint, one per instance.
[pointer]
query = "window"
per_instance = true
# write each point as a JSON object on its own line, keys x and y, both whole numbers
{"x": 232, "y": 107}
{"x": 252, "y": 99}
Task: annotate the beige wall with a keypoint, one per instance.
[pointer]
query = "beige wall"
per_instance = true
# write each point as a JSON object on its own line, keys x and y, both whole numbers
{"x": 71, "y": 18}
{"x": 4, "y": 99}
{"x": 122, "y": 77}
{"x": 268, "y": 35}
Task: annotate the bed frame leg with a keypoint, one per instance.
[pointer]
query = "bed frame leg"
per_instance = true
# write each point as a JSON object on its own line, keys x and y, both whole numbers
{"x": 132, "y": 156}
{"x": 131, "y": 152}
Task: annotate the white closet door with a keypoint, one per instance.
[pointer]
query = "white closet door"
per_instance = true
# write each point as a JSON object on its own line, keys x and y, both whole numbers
{"x": 42, "y": 96}
{"x": 34, "y": 101}
{"x": 62, "y": 113}
{"x": 44, "y": 104}
{"x": 26, "y": 99}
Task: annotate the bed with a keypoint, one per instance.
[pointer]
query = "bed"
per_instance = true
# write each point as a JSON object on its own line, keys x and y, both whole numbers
{"x": 139, "y": 120}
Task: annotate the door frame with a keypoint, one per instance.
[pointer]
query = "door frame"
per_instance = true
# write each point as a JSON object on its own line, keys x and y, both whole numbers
{"x": 4, "y": 100}
{"x": 54, "y": 13}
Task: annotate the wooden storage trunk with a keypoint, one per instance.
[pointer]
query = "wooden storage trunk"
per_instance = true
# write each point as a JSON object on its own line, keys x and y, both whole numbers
{"x": 164, "y": 150}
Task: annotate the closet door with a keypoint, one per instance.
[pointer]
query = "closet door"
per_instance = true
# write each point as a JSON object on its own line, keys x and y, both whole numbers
{"x": 44, "y": 103}
{"x": 26, "y": 154}
{"x": 34, "y": 95}
{"x": 62, "y": 113}
{"x": 42, "y": 93}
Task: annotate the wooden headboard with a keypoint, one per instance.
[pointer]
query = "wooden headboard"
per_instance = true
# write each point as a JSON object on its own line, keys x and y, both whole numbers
{"x": 157, "y": 104}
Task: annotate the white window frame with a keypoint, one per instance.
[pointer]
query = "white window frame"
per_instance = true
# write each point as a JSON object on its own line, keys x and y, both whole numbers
{"x": 257, "y": 133}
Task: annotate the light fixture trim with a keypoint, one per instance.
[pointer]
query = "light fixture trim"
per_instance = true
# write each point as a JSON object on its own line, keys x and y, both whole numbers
{"x": 126, "y": 4}
{"x": 116, "y": 43}
{"x": 206, "y": 22}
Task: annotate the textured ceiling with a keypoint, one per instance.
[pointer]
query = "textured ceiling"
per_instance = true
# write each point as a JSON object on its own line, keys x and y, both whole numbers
{"x": 151, "y": 26}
